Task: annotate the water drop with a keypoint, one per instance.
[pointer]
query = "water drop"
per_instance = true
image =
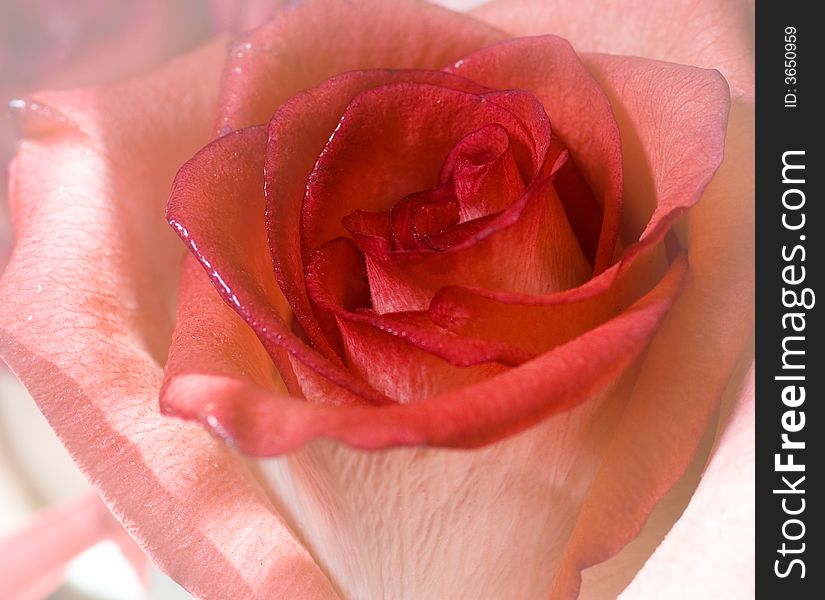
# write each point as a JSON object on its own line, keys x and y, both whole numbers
{"x": 35, "y": 119}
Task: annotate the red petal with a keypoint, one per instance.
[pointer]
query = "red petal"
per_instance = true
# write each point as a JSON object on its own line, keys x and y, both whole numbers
{"x": 297, "y": 135}
{"x": 528, "y": 248}
{"x": 417, "y": 358}
{"x": 578, "y": 109}
{"x": 484, "y": 173}
{"x": 673, "y": 120}
{"x": 421, "y": 215}
{"x": 471, "y": 416}
{"x": 538, "y": 323}
{"x": 391, "y": 142}
{"x": 217, "y": 207}
{"x": 308, "y": 42}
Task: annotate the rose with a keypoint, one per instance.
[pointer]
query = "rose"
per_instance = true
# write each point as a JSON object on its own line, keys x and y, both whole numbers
{"x": 130, "y": 372}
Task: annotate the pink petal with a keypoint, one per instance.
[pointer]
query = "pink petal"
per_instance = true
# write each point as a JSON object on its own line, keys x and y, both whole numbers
{"x": 710, "y": 550}
{"x": 381, "y": 133}
{"x": 674, "y": 399}
{"x": 418, "y": 359}
{"x": 309, "y": 41}
{"x": 548, "y": 258}
{"x": 33, "y": 557}
{"x": 391, "y": 142}
{"x": 705, "y": 33}
{"x": 537, "y": 323}
{"x": 80, "y": 43}
{"x": 238, "y": 16}
{"x": 483, "y": 172}
{"x": 672, "y": 120}
{"x": 85, "y": 319}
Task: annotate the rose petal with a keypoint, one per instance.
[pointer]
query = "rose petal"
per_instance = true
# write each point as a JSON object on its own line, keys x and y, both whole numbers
{"x": 419, "y": 216}
{"x": 309, "y": 41}
{"x": 536, "y": 324}
{"x": 34, "y": 557}
{"x": 414, "y": 354}
{"x": 435, "y": 523}
{"x": 675, "y": 399}
{"x": 238, "y": 16}
{"x": 705, "y": 33}
{"x": 483, "y": 173}
{"x": 59, "y": 44}
{"x": 84, "y": 321}
{"x": 297, "y": 134}
{"x": 391, "y": 141}
{"x": 549, "y": 68}
{"x": 672, "y": 119}
{"x": 266, "y": 424}
{"x": 217, "y": 207}
{"x": 529, "y": 248}
{"x": 716, "y": 529}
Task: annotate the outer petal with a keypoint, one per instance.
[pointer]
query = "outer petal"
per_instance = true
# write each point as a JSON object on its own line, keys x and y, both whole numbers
{"x": 672, "y": 119}
{"x": 84, "y": 321}
{"x": 674, "y": 398}
{"x": 309, "y": 41}
{"x": 705, "y": 33}
{"x": 238, "y": 16}
{"x": 710, "y": 550}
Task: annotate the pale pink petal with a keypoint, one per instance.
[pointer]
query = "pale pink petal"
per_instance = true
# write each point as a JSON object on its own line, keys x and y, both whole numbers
{"x": 704, "y": 33}
{"x": 237, "y": 16}
{"x": 710, "y": 550}
{"x": 686, "y": 370}
{"x": 34, "y": 556}
{"x": 309, "y": 41}
{"x": 56, "y": 43}
{"x": 85, "y": 317}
